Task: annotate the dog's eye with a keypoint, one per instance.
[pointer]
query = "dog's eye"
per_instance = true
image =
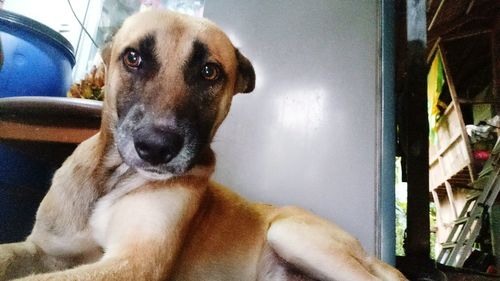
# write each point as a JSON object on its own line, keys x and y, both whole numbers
{"x": 132, "y": 59}
{"x": 210, "y": 71}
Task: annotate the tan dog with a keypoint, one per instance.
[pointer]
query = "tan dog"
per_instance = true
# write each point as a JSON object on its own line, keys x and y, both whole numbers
{"x": 135, "y": 201}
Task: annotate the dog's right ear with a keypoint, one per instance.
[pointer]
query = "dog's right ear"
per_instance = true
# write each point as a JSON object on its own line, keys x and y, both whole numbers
{"x": 245, "y": 81}
{"x": 106, "y": 52}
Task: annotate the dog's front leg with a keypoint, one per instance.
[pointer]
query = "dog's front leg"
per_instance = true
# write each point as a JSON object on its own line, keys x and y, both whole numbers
{"x": 323, "y": 250}
{"x": 141, "y": 235}
{"x": 20, "y": 259}
{"x": 125, "y": 267}
{"x": 24, "y": 258}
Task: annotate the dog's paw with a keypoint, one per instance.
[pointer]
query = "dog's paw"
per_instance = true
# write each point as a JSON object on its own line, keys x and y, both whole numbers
{"x": 5, "y": 258}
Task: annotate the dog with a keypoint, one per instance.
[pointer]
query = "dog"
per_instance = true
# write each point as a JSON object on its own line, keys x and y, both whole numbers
{"x": 135, "y": 201}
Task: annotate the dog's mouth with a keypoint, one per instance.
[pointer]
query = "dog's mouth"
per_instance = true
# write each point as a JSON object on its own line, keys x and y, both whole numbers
{"x": 154, "y": 174}
{"x": 151, "y": 167}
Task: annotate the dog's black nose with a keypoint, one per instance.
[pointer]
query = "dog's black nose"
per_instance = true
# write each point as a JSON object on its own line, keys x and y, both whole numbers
{"x": 157, "y": 146}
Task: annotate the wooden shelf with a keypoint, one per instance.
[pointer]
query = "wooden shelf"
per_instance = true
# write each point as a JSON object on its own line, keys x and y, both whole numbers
{"x": 28, "y": 132}
{"x": 48, "y": 119}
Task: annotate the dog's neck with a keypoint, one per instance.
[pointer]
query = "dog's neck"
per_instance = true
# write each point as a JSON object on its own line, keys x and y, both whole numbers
{"x": 106, "y": 133}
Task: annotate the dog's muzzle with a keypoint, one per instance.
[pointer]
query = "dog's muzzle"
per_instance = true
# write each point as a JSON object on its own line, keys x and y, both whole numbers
{"x": 157, "y": 145}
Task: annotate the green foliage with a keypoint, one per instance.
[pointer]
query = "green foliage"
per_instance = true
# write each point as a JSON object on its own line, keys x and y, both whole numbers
{"x": 432, "y": 219}
{"x": 401, "y": 208}
{"x": 400, "y": 227}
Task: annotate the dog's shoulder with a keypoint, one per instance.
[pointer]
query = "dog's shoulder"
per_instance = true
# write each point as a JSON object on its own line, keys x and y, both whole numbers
{"x": 228, "y": 202}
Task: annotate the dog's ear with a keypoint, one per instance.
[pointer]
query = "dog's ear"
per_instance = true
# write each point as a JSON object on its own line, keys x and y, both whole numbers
{"x": 245, "y": 82}
{"x": 106, "y": 52}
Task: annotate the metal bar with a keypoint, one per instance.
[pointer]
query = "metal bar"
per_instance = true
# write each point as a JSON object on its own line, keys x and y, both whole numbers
{"x": 386, "y": 200}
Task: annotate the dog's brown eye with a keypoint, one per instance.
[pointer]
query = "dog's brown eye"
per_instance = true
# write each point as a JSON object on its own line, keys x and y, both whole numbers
{"x": 132, "y": 59}
{"x": 210, "y": 71}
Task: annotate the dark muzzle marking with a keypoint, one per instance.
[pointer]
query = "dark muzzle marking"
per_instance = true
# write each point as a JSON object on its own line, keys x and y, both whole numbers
{"x": 135, "y": 78}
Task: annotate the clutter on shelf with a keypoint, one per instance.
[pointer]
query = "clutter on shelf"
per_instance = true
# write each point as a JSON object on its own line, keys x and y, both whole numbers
{"x": 91, "y": 87}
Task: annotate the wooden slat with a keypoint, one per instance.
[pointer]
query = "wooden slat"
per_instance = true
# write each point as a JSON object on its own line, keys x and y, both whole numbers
{"x": 436, "y": 14}
{"x": 442, "y": 151}
{"x": 454, "y": 97}
{"x": 28, "y": 132}
{"x": 451, "y": 198}
{"x": 439, "y": 216}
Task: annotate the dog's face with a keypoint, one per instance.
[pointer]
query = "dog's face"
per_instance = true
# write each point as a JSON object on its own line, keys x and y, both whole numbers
{"x": 170, "y": 81}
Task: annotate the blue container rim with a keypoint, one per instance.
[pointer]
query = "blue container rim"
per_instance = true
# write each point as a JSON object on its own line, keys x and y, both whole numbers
{"x": 11, "y": 19}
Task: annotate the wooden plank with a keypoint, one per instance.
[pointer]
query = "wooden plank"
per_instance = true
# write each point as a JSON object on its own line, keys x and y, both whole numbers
{"x": 436, "y": 14}
{"x": 439, "y": 216}
{"x": 468, "y": 33}
{"x": 495, "y": 63}
{"x": 451, "y": 199}
{"x": 433, "y": 50}
{"x": 449, "y": 192}
{"x": 28, "y": 132}
{"x": 451, "y": 160}
{"x": 485, "y": 101}
{"x": 450, "y": 107}
{"x": 443, "y": 150}
{"x": 454, "y": 98}
{"x": 459, "y": 179}
{"x": 417, "y": 244}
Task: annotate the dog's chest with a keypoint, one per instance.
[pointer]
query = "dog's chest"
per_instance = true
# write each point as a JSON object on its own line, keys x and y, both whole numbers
{"x": 103, "y": 211}
{"x": 99, "y": 221}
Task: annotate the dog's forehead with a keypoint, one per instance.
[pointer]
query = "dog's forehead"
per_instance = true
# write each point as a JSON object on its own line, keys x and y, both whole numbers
{"x": 175, "y": 31}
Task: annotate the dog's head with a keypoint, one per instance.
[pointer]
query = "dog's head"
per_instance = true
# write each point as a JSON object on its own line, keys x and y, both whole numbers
{"x": 170, "y": 81}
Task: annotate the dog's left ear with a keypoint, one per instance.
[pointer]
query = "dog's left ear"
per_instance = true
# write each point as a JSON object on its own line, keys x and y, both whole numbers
{"x": 245, "y": 82}
{"x": 106, "y": 52}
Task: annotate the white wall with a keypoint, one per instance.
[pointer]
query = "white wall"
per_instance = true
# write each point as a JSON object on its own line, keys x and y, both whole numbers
{"x": 56, "y": 14}
{"x": 308, "y": 134}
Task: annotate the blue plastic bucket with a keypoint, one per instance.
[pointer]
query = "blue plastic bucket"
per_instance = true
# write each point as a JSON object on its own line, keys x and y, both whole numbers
{"x": 37, "y": 60}
{"x": 23, "y": 183}
{"x": 34, "y": 61}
